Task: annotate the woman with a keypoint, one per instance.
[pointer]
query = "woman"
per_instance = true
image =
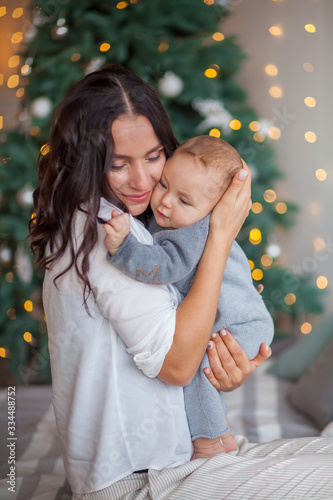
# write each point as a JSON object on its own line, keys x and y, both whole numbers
{"x": 119, "y": 348}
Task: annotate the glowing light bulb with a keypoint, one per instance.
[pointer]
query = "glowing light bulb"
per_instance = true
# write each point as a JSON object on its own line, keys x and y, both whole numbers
{"x": 28, "y": 305}
{"x": 310, "y": 102}
{"x": 271, "y": 70}
{"x": 321, "y": 174}
{"x": 255, "y": 236}
{"x": 306, "y": 328}
{"x": 214, "y": 132}
{"x": 210, "y": 73}
{"x": 310, "y": 136}
{"x": 27, "y": 336}
{"x": 104, "y": 47}
{"x": 122, "y": 5}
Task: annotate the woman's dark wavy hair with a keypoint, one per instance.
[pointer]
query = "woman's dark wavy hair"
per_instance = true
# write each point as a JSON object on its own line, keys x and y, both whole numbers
{"x": 73, "y": 174}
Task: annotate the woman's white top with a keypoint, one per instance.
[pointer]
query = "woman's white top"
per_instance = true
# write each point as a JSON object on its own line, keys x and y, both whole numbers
{"x": 114, "y": 417}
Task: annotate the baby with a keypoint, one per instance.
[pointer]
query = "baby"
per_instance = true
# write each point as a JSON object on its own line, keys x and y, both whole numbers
{"x": 193, "y": 180}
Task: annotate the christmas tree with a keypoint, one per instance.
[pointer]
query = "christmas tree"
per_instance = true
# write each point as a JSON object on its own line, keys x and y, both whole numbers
{"x": 179, "y": 48}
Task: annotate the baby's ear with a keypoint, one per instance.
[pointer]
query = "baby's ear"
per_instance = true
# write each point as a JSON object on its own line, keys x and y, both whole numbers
{"x": 260, "y": 288}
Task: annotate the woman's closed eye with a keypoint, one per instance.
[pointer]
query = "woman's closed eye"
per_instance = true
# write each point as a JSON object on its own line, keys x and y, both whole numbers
{"x": 154, "y": 158}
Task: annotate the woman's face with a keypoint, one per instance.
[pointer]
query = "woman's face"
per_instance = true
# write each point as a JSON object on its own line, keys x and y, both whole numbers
{"x": 138, "y": 162}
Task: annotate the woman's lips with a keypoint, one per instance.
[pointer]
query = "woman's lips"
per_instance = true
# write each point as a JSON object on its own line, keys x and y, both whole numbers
{"x": 137, "y": 198}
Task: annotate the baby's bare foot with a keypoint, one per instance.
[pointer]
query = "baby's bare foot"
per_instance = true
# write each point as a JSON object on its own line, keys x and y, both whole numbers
{"x": 229, "y": 442}
{"x": 206, "y": 448}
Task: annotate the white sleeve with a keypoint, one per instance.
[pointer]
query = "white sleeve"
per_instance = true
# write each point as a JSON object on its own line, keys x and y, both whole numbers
{"x": 143, "y": 315}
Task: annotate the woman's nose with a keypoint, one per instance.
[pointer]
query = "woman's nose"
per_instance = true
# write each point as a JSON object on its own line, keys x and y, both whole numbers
{"x": 140, "y": 178}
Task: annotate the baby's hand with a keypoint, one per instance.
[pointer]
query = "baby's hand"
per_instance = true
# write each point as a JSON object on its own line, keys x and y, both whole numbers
{"x": 116, "y": 230}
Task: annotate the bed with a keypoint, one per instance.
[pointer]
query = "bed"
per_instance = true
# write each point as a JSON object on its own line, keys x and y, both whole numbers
{"x": 259, "y": 410}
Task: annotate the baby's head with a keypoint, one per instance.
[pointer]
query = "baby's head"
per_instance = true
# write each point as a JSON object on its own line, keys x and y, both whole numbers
{"x": 193, "y": 180}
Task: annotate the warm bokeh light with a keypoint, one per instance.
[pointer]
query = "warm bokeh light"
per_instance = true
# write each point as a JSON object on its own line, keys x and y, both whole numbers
{"x": 218, "y": 37}
{"x": 34, "y": 131}
{"x": 209, "y": 2}
{"x": 1, "y": 122}
{"x": 163, "y": 47}
{"x": 255, "y": 236}
{"x": 257, "y": 274}
{"x": 274, "y": 133}
{"x": 26, "y": 69}
{"x": 214, "y": 132}
{"x": 322, "y": 282}
{"x": 45, "y": 149}
{"x": 256, "y": 207}
{"x": 319, "y": 243}
{"x": 310, "y": 136}
{"x": 122, "y": 5}
{"x": 3, "y": 11}
{"x": 104, "y": 47}
{"x": 266, "y": 260}
{"x": 281, "y": 207}
{"x": 1, "y": 78}
{"x": 3, "y": 353}
{"x": 306, "y": 328}
{"x": 258, "y": 137}
{"x": 290, "y": 299}
{"x": 28, "y": 305}
{"x": 13, "y": 81}
{"x": 251, "y": 264}
{"x": 310, "y": 102}
{"x": 271, "y": 70}
{"x": 10, "y": 277}
{"x": 13, "y": 61}
{"x": 307, "y": 66}
{"x": 314, "y": 208}
{"x": 310, "y": 28}
{"x": 269, "y": 195}
{"x": 17, "y": 13}
{"x": 211, "y": 73}
{"x": 11, "y": 313}
{"x": 275, "y": 92}
{"x": 75, "y": 57}
{"x": 276, "y": 31}
{"x": 235, "y": 124}
{"x": 254, "y": 126}
{"x": 27, "y": 336}
{"x": 17, "y": 37}
{"x": 321, "y": 174}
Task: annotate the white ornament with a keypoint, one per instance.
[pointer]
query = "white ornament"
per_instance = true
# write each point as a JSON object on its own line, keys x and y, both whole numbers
{"x": 24, "y": 196}
{"x": 41, "y": 107}
{"x": 23, "y": 265}
{"x": 214, "y": 113}
{"x": 95, "y": 64}
{"x": 273, "y": 250}
{"x": 5, "y": 255}
{"x": 170, "y": 85}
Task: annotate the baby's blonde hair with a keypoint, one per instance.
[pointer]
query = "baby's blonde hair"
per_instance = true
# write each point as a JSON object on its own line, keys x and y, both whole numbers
{"x": 213, "y": 154}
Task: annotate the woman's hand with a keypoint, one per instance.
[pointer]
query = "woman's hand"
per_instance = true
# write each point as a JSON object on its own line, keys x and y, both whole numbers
{"x": 230, "y": 212}
{"x": 229, "y": 364}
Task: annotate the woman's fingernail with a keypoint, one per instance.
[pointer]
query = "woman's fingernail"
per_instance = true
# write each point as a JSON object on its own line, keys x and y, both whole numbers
{"x": 242, "y": 174}
{"x": 214, "y": 335}
{"x": 210, "y": 345}
{"x": 266, "y": 348}
{"x": 223, "y": 332}
{"x": 207, "y": 371}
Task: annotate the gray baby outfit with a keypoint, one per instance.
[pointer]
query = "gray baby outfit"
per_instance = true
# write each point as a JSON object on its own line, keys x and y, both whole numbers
{"x": 173, "y": 259}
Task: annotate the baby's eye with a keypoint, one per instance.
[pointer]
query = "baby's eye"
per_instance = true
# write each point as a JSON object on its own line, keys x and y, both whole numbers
{"x": 183, "y": 201}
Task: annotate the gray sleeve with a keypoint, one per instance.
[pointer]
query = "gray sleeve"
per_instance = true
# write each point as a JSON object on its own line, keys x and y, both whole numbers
{"x": 172, "y": 256}
{"x": 241, "y": 309}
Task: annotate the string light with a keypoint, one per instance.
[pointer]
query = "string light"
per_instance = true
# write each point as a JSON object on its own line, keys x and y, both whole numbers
{"x": 257, "y": 274}
{"x": 259, "y": 137}
{"x": 122, "y": 5}
{"x": 266, "y": 260}
{"x": 276, "y": 31}
{"x": 218, "y": 37}
{"x": 306, "y": 328}
{"x": 256, "y": 207}
{"x": 310, "y": 28}
{"x": 104, "y": 47}
{"x": 271, "y": 70}
{"x": 281, "y": 207}
{"x": 214, "y": 132}
{"x": 275, "y": 92}
{"x": 254, "y": 126}
{"x": 28, "y": 305}
{"x": 290, "y": 299}
{"x": 3, "y": 352}
{"x": 321, "y": 174}
{"x": 210, "y": 73}
{"x": 269, "y": 195}
{"x": 251, "y": 264}
{"x": 322, "y": 282}
{"x": 310, "y": 136}
{"x": 27, "y": 336}
{"x": 235, "y": 124}
{"x": 255, "y": 236}
{"x": 310, "y": 102}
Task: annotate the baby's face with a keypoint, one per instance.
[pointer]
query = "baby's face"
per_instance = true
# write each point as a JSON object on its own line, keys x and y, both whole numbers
{"x": 185, "y": 194}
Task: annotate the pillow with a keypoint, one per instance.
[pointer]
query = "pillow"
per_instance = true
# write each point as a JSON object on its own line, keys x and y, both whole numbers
{"x": 312, "y": 395}
{"x": 295, "y": 360}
